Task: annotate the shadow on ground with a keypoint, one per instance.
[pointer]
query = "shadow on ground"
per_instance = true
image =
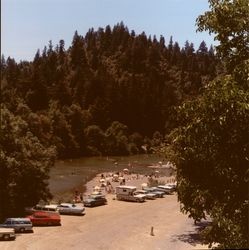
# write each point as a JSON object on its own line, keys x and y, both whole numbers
{"x": 192, "y": 237}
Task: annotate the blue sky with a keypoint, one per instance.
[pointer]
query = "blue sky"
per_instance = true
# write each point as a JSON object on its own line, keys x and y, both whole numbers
{"x": 27, "y": 25}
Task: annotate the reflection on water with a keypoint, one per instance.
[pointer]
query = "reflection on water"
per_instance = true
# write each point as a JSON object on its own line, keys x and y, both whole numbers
{"x": 69, "y": 174}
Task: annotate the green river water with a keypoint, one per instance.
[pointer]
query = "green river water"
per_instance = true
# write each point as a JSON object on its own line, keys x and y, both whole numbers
{"x": 68, "y": 175}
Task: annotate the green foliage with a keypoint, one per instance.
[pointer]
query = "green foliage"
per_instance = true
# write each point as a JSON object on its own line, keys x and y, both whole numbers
{"x": 210, "y": 146}
{"x": 24, "y": 166}
{"x": 78, "y": 57}
{"x": 157, "y": 139}
{"x": 211, "y": 154}
{"x": 136, "y": 143}
{"x": 95, "y": 139}
{"x": 62, "y": 137}
{"x": 228, "y": 21}
{"x": 107, "y": 75}
{"x": 116, "y": 137}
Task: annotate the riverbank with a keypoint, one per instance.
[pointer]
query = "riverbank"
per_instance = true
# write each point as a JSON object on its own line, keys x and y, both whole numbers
{"x": 130, "y": 180}
{"x": 73, "y": 174}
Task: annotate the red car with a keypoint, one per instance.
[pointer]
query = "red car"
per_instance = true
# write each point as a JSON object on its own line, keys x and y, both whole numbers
{"x": 42, "y": 218}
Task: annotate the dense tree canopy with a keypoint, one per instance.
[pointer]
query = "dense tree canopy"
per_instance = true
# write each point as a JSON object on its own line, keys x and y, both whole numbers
{"x": 228, "y": 21}
{"x": 24, "y": 165}
{"x": 105, "y": 76}
{"x": 211, "y": 155}
{"x": 210, "y": 146}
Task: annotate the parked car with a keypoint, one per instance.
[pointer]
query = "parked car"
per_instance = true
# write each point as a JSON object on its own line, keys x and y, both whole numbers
{"x": 148, "y": 195}
{"x": 42, "y": 218}
{"x": 68, "y": 208}
{"x": 7, "y": 234}
{"x": 157, "y": 192}
{"x": 95, "y": 200}
{"x": 18, "y": 224}
{"x": 38, "y": 207}
{"x": 169, "y": 188}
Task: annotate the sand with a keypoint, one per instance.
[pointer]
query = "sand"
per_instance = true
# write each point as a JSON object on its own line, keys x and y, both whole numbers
{"x": 118, "y": 225}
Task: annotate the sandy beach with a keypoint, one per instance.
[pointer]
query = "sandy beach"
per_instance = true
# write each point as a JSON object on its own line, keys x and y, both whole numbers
{"x": 118, "y": 225}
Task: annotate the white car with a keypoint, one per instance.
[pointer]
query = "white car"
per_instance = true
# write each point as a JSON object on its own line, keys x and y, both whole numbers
{"x": 18, "y": 224}
{"x": 148, "y": 195}
{"x": 169, "y": 188}
{"x": 159, "y": 192}
{"x": 38, "y": 207}
{"x": 7, "y": 234}
{"x": 68, "y": 208}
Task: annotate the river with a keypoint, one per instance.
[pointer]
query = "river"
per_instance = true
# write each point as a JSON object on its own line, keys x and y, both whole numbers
{"x": 67, "y": 175}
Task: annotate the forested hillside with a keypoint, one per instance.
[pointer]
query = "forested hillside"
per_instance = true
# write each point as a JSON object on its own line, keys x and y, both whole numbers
{"x": 112, "y": 92}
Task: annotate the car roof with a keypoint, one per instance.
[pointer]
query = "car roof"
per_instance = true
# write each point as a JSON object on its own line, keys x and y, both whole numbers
{"x": 7, "y": 230}
{"x": 67, "y": 204}
{"x": 154, "y": 189}
{"x": 89, "y": 199}
{"x": 47, "y": 206}
{"x": 97, "y": 195}
{"x": 168, "y": 186}
{"x": 140, "y": 195}
{"x": 18, "y": 219}
{"x": 48, "y": 213}
{"x": 127, "y": 187}
{"x": 51, "y": 206}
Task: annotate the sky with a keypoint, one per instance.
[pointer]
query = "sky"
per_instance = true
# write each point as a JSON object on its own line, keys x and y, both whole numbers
{"x": 28, "y": 25}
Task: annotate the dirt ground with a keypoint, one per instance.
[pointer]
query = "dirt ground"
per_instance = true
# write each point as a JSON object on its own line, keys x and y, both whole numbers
{"x": 118, "y": 225}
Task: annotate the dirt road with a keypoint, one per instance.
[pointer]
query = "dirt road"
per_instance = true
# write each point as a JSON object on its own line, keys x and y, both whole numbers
{"x": 116, "y": 226}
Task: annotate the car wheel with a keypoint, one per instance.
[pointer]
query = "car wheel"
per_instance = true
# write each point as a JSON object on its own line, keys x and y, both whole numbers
{"x": 22, "y": 230}
{"x": 6, "y": 237}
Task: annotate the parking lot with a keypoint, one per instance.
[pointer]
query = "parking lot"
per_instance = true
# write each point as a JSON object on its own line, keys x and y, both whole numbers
{"x": 117, "y": 225}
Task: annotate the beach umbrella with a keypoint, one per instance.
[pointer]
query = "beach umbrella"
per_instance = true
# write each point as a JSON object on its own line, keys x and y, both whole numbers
{"x": 96, "y": 192}
{"x": 96, "y": 188}
{"x": 126, "y": 170}
{"x": 115, "y": 177}
{"x": 102, "y": 180}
